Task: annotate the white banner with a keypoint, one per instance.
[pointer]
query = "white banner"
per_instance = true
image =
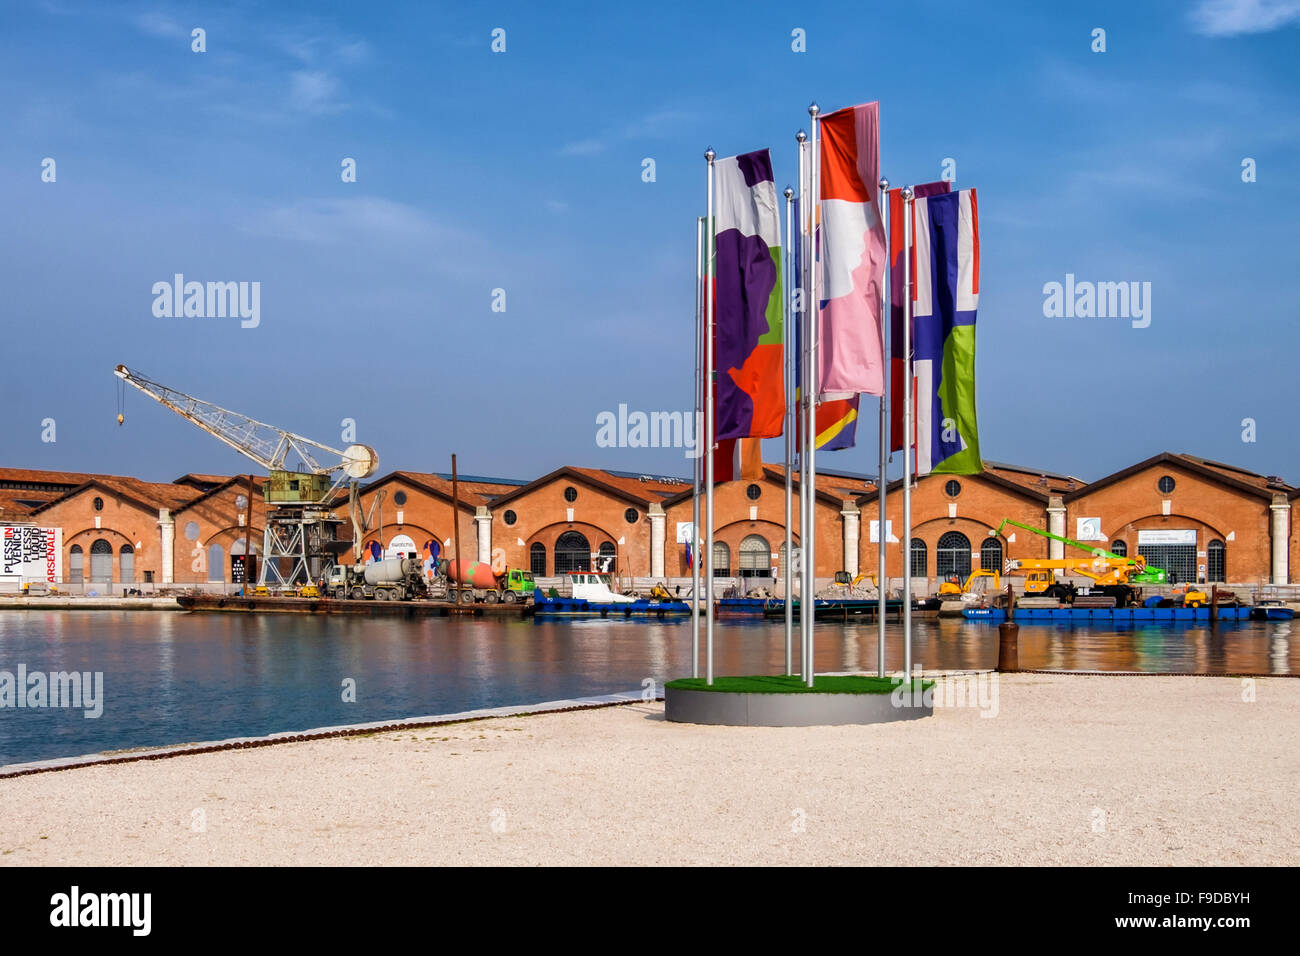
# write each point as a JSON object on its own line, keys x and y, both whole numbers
{"x": 1167, "y": 536}
{"x": 683, "y": 532}
{"x": 873, "y": 533}
{"x": 1089, "y": 529}
{"x": 34, "y": 554}
{"x": 401, "y": 547}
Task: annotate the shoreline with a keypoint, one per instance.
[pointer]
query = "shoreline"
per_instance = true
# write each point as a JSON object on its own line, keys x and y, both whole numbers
{"x": 1080, "y": 770}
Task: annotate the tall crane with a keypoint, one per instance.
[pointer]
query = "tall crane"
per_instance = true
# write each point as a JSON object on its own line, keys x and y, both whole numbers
{"x": 299, "y": 543}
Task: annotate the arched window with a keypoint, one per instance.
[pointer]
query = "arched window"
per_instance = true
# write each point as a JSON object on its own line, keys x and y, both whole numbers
{"x": 721, "y": 560}
{"x": 607, "y": 556}
{"x": 572, "y": 552}
{"x": 216, "y": 562}
{"x": 755, "y": 557}
{"x": 101, "y": 562}
{"x": 126, "y": 564}
{"x": 537, "y": 559}
{"x": 920, "y": 559}
{"x": 76, "y": 565}
{"x": 1216, "y": 562}
{"x": 952, "y": 556}
{"x": 1119, "y": 547}
{"x": 991, "y": 555}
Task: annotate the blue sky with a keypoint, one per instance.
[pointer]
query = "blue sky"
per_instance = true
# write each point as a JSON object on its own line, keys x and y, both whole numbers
{"x": 522, "y": 170}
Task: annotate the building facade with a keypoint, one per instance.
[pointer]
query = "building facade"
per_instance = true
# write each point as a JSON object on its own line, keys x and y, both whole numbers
{"x": 1202, "y": 521}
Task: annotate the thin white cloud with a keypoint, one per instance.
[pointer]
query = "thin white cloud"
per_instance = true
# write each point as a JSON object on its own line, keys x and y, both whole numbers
{"x": 557, "y": 205}
{"x": 160, "y": 25}
{"x": 346, "y": 220}
{"x": 314, "y": 91}
{"x": 657, "y": 125}
{"x": 1227, "y": 18}
{"x": 584, "y": 147}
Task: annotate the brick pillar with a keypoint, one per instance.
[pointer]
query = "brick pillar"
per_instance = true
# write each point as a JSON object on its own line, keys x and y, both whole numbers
{"x": 658, "y": 539}
{"x": 1281, "y": 509}
{"x": 852, "y": 523}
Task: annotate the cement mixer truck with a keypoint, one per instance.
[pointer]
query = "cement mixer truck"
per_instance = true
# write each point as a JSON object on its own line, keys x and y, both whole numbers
{"x": 393, "y": 579}
{"x": 481, "y": 583}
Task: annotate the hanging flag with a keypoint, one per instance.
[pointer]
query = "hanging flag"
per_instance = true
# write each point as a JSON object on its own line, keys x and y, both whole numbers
{"x": 850, "y": 359}
{"x": 690, "y": 558}
{"x": 896, "y": 303}
{"x": 748, "y": 305}
{"x": 737, "y": 459}
{"x": 947, "y": 249}
{"x": 837, "y": 420}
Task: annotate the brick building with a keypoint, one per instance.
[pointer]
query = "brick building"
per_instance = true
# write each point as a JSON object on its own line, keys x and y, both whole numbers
{"x": 1198, "y": 519}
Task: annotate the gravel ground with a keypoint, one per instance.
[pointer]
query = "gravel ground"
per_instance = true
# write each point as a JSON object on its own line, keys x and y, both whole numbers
{"x": 1072, "y": 770}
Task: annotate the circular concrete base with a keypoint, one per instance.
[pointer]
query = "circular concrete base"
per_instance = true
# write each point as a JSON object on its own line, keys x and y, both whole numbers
{"x": 791, "y": 710}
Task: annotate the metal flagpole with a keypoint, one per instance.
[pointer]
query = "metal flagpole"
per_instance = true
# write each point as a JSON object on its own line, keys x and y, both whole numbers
{"x": 708, "y": 423}
{"x": 696, "y": 423}
{"x": 907, "y": 434}
{"x": 789, "y": 429}
{"x": 802, "y": 358}
{"x": 814, "y": 313}
{"x": 882, "y": 474}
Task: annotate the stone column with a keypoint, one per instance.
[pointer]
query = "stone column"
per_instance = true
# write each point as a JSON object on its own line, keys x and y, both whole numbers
{"x": 483, "y": 520}
{"x": 1281, "y": 509}
{"x": 1056, "y": 525}
{"x": 167, "y": 549}
{"x": 852, "y": 522}
{"x": 658, "y": 538}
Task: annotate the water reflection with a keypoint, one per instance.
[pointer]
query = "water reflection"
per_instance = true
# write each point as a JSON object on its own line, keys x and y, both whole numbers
{"x": 173, "y": 678}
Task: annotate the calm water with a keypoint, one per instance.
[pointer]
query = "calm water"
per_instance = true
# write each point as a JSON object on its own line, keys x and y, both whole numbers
{"x": 172, "y": 678}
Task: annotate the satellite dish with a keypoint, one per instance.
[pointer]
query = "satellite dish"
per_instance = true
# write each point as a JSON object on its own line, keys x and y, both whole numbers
{"x": 360, "y": 461}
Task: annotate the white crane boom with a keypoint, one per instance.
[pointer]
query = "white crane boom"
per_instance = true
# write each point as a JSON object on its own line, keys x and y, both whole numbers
{"x": 265, "y": 444}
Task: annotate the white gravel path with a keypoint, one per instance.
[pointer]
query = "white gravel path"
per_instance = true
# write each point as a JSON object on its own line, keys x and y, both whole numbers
{"x": 1072, "y": 770}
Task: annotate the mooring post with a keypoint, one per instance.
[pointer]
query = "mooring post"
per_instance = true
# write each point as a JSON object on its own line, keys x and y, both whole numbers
{"x": 1214, "y": 603}
{"x": 1008, "y": 646}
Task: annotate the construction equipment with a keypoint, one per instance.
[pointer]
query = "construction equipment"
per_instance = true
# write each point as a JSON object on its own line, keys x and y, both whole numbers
{"x": 1113, "y": 575}
{"x": 976, "y": 583}
{"x": 300, "y": 542}
{"x": 481, "y": 583}
{"x": 393, "y": 579}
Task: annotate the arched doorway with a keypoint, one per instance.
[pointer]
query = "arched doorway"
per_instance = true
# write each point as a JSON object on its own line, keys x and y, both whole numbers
{"x": 101, "y": 562}
{"x": 537, "y": 559}
{"x": 76, "y": 565}
{"x": 755, "y": 557}
{"x": 920, "y": 559}
{"x": 216, "y": 562}
{"x": 607, "y": 557}
{"x": 126, "y": 564}
{"x": 991, "y": 555}
{"x": 721, "y": 560}
{"x": 952, "y": 556}
{"x": 1216, "y": 562}
{"x": 572, "y": 552}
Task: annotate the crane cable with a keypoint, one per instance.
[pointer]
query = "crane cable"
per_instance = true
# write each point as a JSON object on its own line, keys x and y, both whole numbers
{"x": 121, "y": 401}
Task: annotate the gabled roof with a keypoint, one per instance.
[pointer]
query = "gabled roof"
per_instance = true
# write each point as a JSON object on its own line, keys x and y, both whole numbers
{"x": 1038, "y": 479}
{"x": 65, "y": 479}
{"x": 1244, "y": 481}
{"x": 471, "y": 496}
{"x": 148, "y": 495}
{"x": 630, "y": 490}
{"x": 239, "y": 481}
{"x": 773, "y": 474}
{"x": 1036, "y": 494}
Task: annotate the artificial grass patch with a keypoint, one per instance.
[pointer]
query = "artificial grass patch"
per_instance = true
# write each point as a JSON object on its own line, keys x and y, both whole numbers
{"x": 783, "y": 684}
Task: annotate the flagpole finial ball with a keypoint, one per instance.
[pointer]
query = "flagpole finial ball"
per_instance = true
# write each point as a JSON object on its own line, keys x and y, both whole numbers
{"x": 801, "y": 136}
{"x": 884, "y": 184}
{"x": 789, "y": 193}
{"x": 709, "y": 154}
{"x": 907, "y": 194}
{"x": 813, "y": 109}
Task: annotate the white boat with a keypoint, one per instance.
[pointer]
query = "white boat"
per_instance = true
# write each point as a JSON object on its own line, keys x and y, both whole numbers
{"x": 595, "y": 587}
